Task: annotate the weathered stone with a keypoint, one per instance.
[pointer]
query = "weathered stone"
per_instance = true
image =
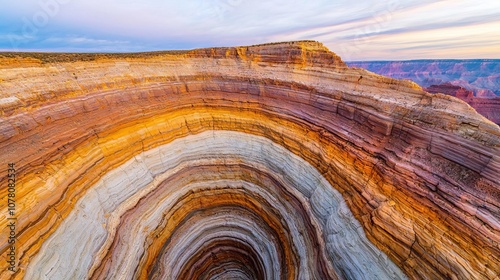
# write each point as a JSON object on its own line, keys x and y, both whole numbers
{"x": 265, "y": 162}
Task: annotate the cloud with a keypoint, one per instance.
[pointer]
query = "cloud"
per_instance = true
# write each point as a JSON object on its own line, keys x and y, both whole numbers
{"x": 82, "y": 40}
{"x": 354, "y": 29}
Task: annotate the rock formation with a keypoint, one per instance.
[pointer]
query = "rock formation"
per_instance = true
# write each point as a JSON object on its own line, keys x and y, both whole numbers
{"x": 481, "y": 76}
{"x": 273, "y": 161}
{"x": 488, "y": 107}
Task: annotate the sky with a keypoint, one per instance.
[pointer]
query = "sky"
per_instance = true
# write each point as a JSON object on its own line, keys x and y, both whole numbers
{"x": 355, "y": 30}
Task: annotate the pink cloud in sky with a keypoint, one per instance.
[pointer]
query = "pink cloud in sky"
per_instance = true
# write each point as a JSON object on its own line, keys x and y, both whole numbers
{"x": 356, "y": 30}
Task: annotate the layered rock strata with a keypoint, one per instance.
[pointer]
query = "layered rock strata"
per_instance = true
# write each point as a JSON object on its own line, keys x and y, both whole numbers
{"x": 480, "y": 76}
{"x": 488, "y": 107}
{"x": 266, "y": 162}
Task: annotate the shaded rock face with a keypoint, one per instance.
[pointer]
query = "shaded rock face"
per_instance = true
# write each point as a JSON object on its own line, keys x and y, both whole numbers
{"x": 265, "y": 162}
{"x": 488, "y": 107}
{"x": 449, "y": 89}
{"x": 481, "y": 76}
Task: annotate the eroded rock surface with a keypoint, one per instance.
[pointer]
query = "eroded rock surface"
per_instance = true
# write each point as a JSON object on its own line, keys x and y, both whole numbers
{"x": 481, "y": 76}
{"x": 265, "y": 162}
{"x": 488, "y": 107}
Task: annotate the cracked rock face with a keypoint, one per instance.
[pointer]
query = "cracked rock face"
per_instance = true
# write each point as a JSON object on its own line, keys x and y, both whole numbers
{"x": 274, "y": 161}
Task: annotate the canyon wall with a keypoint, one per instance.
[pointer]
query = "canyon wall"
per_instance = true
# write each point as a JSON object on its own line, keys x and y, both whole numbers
{"x": 488, "y": 107}
{"x": 481, "y": 77}
{"x": 274, "y": 161}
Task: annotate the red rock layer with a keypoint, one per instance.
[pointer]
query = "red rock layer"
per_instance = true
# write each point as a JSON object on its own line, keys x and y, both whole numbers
{"x": 420, "y": 172}
{"x": 488, "y": 107}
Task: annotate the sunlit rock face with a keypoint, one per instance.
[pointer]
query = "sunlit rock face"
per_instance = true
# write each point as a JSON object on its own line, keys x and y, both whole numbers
{"x": 266, "y": 162}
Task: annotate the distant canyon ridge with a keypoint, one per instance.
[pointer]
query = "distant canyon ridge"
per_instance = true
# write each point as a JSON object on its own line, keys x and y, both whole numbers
{"x": 475, "y": 81}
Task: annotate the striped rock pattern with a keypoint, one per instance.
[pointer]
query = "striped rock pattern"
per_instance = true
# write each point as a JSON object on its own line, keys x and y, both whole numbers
{"x": 274, "y": 161}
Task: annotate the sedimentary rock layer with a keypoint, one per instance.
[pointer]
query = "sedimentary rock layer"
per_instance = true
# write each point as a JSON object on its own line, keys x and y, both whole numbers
{"x": 480, "y": 76}
{"x": 265, "y": 162}
{"x": 488, "y": 107}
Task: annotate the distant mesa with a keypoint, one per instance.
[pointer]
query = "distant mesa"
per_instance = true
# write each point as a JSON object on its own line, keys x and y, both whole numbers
{"x": 488, "y": 107}
{"x": 273, "y": 161}
{"x": 453, "y": 90}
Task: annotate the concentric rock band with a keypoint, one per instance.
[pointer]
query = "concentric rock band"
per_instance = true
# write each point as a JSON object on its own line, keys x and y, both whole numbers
{"x": 266, "y": 162}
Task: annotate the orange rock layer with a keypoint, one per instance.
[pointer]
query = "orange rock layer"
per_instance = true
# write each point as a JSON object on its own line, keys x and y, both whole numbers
{"x": 265, "y": 162}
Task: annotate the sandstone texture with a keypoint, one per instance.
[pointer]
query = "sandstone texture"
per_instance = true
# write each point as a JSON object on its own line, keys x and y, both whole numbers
{"x": 274, "y": 161}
